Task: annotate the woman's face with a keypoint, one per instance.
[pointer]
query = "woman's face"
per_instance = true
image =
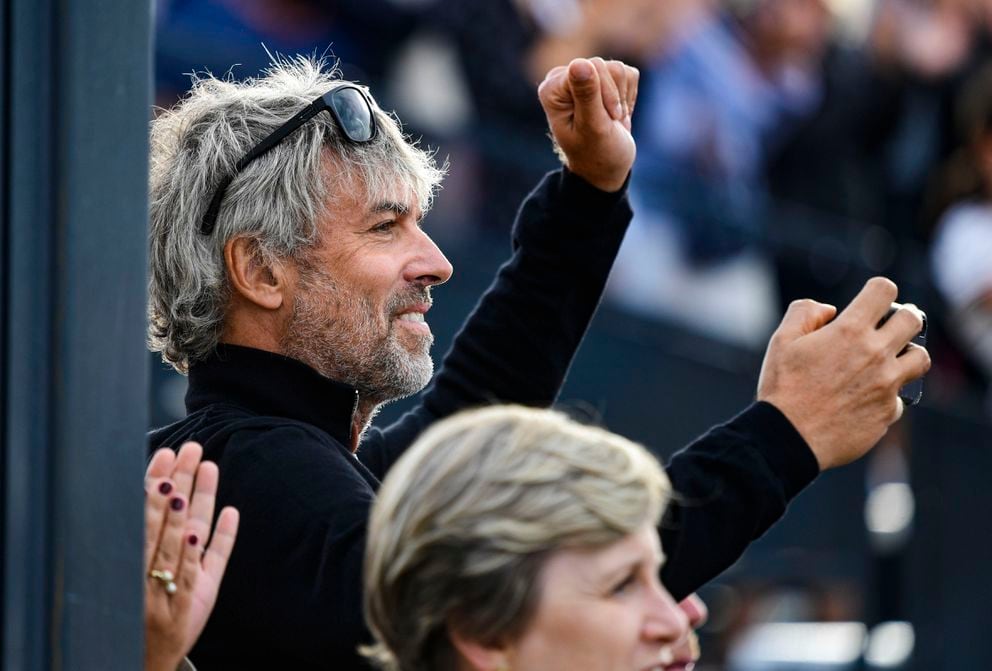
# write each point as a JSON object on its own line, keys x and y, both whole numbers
{"x": 601, "y": 610}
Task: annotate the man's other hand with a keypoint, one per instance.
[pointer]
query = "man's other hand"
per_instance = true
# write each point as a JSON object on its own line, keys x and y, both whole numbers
{"x": 589, "y": 105}
{"x": 838, "y": 382}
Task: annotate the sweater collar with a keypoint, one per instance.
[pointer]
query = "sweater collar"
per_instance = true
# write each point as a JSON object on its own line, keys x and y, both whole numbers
{"x": 271, "y": 384}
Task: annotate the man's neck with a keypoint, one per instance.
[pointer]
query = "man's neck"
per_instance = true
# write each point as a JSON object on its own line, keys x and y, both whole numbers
{"x": 365, "y": 410}
{"x": 365, "y": 407}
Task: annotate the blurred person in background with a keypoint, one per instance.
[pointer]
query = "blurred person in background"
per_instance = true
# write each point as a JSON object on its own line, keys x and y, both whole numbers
{"x": 504, "y": 48}
{"x": 961, "y": 255}
{"x": 848, "y": 185}
{"x": 725, "y": 93}
{"x": 184, "y": 560}
{"x": 227, "y": 35}
{"x": 934, "y": 49}
{"x": 516, "y": 538}
{"x": 853, "y": 186}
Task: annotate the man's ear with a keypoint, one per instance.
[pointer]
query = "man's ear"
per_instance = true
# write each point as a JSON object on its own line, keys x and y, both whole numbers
{"x": 478, "y": 656}
{"x": 253, "y": 275}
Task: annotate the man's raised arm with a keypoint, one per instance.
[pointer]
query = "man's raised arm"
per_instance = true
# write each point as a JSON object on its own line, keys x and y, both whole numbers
{"x": 828, "y": 392}
{"x": 518, "y": 343}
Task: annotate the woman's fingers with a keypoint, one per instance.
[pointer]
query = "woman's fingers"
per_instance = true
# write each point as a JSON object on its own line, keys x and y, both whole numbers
{"x": 170, "y": 545}
{"x": 201, "y": 506}
{"x": 188, "y": 572}
{"x": 219, "y": 551}
{"x": 184, "y": 472}
{"x": 156, "y": 507}
{"x": 160, "y": 465}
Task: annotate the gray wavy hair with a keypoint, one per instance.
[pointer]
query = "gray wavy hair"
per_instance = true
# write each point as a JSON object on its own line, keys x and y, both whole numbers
{"x": 276, "y": 200}
{"x": 466, "y": 519}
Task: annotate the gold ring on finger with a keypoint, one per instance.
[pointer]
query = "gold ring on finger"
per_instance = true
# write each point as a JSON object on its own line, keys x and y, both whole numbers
{"x": 166, "y": 578}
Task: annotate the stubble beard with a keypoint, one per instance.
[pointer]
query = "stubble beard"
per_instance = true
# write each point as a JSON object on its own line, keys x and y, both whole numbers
{"x": 340, "y": 334}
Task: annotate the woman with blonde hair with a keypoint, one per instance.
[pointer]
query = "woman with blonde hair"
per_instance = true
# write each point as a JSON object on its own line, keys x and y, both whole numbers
{"x": 515, "y": 538}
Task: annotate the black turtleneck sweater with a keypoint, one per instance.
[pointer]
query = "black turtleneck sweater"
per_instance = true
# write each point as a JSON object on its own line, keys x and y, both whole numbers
{"x": 279, "y": 431}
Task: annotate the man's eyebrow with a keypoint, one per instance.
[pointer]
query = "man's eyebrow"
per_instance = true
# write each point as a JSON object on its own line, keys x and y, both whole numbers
{"x": 389, "y": 206}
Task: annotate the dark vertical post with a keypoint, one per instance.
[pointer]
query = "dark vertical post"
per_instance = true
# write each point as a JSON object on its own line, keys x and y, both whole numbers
{"x": 76, "y": 94}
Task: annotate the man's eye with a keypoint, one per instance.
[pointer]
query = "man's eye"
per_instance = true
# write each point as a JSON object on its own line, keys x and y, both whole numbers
{"x": 384, "y": 226}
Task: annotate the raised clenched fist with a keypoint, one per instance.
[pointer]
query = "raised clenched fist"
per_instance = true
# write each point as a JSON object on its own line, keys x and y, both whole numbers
{"x": 589, "y": 105}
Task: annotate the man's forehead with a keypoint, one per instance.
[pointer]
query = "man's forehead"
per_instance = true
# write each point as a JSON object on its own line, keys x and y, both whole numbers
{"x": 363, "y": 185}
{"x": 390, "y": 195}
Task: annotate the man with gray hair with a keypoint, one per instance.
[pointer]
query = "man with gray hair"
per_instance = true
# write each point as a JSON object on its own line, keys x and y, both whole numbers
{"x": 290, "y": 279}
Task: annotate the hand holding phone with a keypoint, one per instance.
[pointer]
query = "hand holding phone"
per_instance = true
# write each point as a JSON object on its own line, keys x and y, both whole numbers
{"x": 912, "y": 392}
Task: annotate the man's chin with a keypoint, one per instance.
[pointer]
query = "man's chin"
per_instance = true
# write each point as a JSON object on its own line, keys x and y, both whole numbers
{"x": 421, "y": 371}
{"x": 407, "y": 375}
{"x": 415, "y": 343}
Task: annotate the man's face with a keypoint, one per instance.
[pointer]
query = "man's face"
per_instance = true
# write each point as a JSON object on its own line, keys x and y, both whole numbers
{"x": 361, "y": 297}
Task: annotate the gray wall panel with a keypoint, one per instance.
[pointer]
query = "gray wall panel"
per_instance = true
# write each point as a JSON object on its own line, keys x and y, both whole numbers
{"x": 74, "y": 203}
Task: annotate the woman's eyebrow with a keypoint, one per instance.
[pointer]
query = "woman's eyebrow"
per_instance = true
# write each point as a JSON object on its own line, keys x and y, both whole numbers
{"x": 620, "y": 570}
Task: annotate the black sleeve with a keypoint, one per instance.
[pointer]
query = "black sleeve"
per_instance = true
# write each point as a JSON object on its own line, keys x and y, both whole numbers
{"x": 518, "y": 343}
{"x": 730, "y": 486}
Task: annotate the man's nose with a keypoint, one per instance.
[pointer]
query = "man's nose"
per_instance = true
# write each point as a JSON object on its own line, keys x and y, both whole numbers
{"x": 429, "y": 265}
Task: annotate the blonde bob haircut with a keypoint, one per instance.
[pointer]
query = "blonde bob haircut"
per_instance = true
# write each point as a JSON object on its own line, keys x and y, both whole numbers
{"x": 466, "y": 519}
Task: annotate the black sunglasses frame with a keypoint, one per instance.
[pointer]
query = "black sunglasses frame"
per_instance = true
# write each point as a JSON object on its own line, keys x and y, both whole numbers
{"x": 321, "y": 104}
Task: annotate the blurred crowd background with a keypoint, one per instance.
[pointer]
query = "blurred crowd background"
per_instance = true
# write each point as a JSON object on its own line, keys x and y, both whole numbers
{"x": 786, "y": 149}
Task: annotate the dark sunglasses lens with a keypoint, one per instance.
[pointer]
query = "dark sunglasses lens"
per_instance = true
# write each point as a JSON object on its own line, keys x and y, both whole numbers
{"x": 354, "y": 114}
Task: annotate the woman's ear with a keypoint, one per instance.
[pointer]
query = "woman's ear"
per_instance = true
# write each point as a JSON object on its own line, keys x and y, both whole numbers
{"x": 478, "y": 656}
{"x": 254, "y": 275}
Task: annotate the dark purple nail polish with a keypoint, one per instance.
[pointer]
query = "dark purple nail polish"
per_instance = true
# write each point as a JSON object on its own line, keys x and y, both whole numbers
{"x": 165, "y": 487}
{"x": 193, "y": 540}
{"x": 177, "y": 504}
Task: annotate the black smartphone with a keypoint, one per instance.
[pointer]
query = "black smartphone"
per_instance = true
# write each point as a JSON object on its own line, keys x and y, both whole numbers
{"x": 912, "y": 392}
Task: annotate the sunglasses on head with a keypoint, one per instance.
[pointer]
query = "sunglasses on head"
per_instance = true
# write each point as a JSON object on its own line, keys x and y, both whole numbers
{"x": 351, "y": 110}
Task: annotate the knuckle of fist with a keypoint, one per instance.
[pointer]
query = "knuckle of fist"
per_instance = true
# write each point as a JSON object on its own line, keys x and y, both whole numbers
{"x": 889, "y": 381}
{"x": 876, "y": 351}
{"x": 845, "y": 330}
